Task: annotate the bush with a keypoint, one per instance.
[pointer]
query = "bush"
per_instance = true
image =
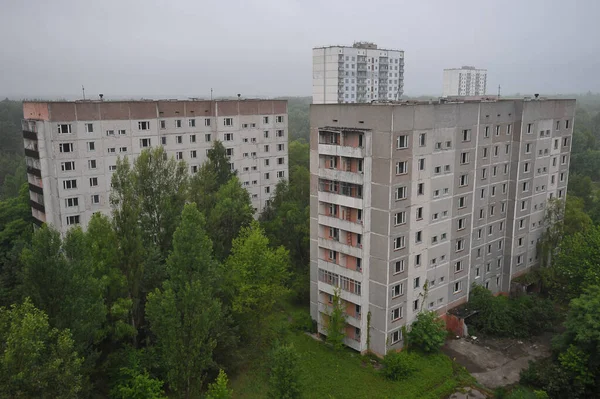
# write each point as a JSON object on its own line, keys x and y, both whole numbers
{"x": 284, "y": 382}
{"x": 428, "y": 332}
{"x": 399, "y": 365}
{"x": 550, "y": 377}
{"x": 302, "y": 321}
{"x": 503, "y": 317}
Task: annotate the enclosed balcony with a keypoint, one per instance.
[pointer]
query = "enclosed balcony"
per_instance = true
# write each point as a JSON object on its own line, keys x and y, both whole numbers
{"x": 343, "y": 142}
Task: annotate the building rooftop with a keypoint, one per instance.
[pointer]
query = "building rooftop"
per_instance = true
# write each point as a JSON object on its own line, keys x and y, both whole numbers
{"x": 360, "y": 45}
{"x": 465, "y": 67}
{"x": 455, "y": 100}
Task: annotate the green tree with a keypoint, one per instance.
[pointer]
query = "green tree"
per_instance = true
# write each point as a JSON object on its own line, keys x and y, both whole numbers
{"x": 138, "y": 384}
{"x": 399, "y": 365}
{"x": 218, "y": 389}
{"x": 186, "y": 317}
{"x": 232, "y": 211}
{"x": 36, "y": 361}
{"x": 428, "y": 332}
{"x": 15, "y": 232}
{"x": 299, "y": 154}
{"x": 211, "y": 176}
{"x": 284, "y": 382}
{"x": 257, "y": 275}
{"x": 576, "y": 264}
{"x": 336, "y": 322}
{"x": 59, "y": 278}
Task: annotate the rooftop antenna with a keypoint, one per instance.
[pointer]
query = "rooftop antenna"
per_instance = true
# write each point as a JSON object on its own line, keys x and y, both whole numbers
{"x": 211, "y": 94}
{"x": 83, "y": 90}
{"x": 498, "y": 91}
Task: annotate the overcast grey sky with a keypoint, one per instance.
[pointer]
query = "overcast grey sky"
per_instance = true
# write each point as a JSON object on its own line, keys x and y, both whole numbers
{"x": 263, "y": 47}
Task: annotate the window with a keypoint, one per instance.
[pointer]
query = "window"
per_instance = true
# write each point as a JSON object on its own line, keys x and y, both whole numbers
{"x": 420, "y": 188}
{"x": 457, "y": 287}
{"x": 65, "y": 128}
{"x": 401, "y": 167}
{"x": 422, "y": 139}
{"x": 563, "y": 160}
{"x": 280, "y": 161}
{"x": 192, "y": 138}
{"x": 458, "y": 266}
{"x": 486, "y": 133}
{"x": 163, "y": 140}
{"x": 207, "y": 137}
{"x": 438, "y": 145}
{"x": 420, "y": 213}
{"x": 179, "y": 155}
{"x": 399, "y": 243}
{"x": 461, "y": 223}
{"x": 266, "y": 134}
{"x": 280, "y": 147}
{"x": 228, "y": 137}
{"x": 466, "y": 135}
{"x": 437, "y": 170}
{"x": 399, "y": 266}
{"x": 93, "y": 181}
{"x": 527, "y": 148}
{"x": 72, "y": 220}
{"x": 566, "y": 124}
{"x": 279, "y": 119}
{"x": 526, "y": 167}
{"x": 191, "y": 122}
{"x": 267, "y": 190}
{"x": 402, "y": 142}
{"x": 207, "y": 122}
{"x": 267, "y": 176}
{"x": 419, "y": 237}
{"x": 193, "y": 154}
{"x": 112, "y": 168}
{"x": 70, "y": 184}
{"x": 229, "y": 152}
{"x": 416, "y": 305}
{"x": 495, "y": 150}
{"x": 485, "y": 152}
{"x": 67, "y": 166}
{"x": 111, "y": 150}
{"x": 484, "y": 173}
{"x": 95, "y": 199}
{"x": 523, "y": 205}
{"x": 65, "y": 147}
{"x": 281, "y": 173}
{"x": 228, "y": 122}
{"x": 122, "y": 132}
{"x": 529, "y": 126}
{"x": 266, "y": 148}
{"x": 397, "y": 290}
{"x": 497, "y": 130}
{"x": 179, "y": 139}
{"x": 463, "y": 180}
{"x": 400, "y": 218}
{"x": 417, "y": 260}
{"x": 92, "y": 164}
{"x": 417, "y": 282}
{"x": 460, "y": 244}
{"x": 163, "y": 124}
{"x": 122, "y": 149}
{"x": 421, "y": 163}
{"x": 144, "y": 125}
{"x": 400, "y": 193}
{"x": 508, "y": 129}
{"x": 396, "y": 314}
{"x": 71, "y": 202}
{"x": 144, "y": 143}
{"x": 265, "y": 119}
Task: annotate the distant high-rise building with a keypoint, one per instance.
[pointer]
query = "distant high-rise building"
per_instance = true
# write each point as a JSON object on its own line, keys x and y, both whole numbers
{"x": 358, "y": 74}
{"x": 71, "y": 148}
{"x": 412, "y": 203}
{"x": 465, "y": 81}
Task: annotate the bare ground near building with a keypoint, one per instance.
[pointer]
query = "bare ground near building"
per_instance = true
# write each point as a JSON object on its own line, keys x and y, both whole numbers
{"x": 497, "y": 362}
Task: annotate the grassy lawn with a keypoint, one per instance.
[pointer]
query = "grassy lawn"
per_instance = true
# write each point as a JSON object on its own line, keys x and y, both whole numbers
{"x": 336, "y": 375}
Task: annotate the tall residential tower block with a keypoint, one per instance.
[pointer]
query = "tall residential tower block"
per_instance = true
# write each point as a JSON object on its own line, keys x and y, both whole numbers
{"x": 358, "y": 74}
{"x": 71, "y": 148}
{"x": 411, "y": 203}
{"x": 466, "y": 81}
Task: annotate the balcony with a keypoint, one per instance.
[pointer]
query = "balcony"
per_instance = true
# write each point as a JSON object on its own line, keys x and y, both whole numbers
{"x": 36, "y": 189}
{"x": 37, "y": 206}
{"x": 334, "y": 198}
{"x": 343, "y": 248}
{"x": 340, "y": 150}
{"x": 30, "y": 135}
{"x": 340, "y": 175}
{"x": 34, "y": 171}
{"x": 354, "y": 227}
{"x": 352, "y": 319}
{"x": 32, "y": 153}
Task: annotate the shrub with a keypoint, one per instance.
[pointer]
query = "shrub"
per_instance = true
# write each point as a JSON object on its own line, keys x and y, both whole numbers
{"x": 399, "y": 365}
{"x": 500, "y": 316}
{"x": 428, "y": 332}
{"x": 284, "y": 382}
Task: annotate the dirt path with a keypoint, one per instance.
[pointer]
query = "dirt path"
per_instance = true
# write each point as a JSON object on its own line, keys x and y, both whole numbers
{"x": 497, "y": 362}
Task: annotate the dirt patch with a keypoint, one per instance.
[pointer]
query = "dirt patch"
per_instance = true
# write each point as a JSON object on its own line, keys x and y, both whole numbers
{"x": 497, "y": 362}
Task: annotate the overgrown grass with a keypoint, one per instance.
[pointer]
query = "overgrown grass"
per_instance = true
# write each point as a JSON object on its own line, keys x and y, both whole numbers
{"x": 345, "y": 374}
